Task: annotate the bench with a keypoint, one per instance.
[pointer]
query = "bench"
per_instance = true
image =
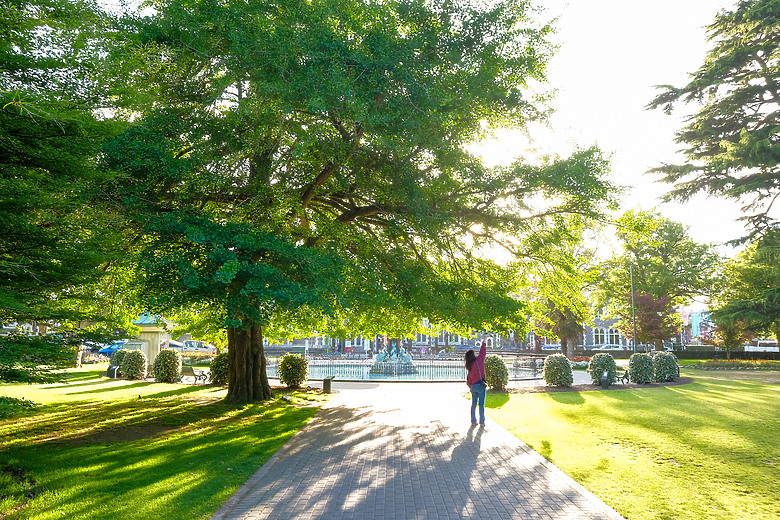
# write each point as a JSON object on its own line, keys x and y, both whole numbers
{"x": 187, "y": 370}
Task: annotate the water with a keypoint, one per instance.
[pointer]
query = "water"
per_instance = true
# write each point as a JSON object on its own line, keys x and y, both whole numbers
{"x": 426, "y": 370}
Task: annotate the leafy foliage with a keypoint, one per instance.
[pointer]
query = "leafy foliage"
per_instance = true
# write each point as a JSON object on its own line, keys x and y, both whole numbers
{"x": 557, "y": 371}
{"x": 598, "y": 364}
{"x": 11, "y": 406}
{"x": 218, "y": 369}
{"x": 134, "y": 365}
{"x": 293, "y": 370}
{"x": 664, "y": 366}
{"x": 288, "y": 171}
{"x": 117, "y": 356}
{"x": 58, "y": 226}
{"x": 667, "y": 267}
{"x": 640, "y": 368}
{"x": 27, "y": 358}
{"x": 748, "y": 302}
{"x": 496, "y": 372}
{"x": 656, "y": 319}
{"x": 167, "y": 366}
{"x": 733, "y": 144}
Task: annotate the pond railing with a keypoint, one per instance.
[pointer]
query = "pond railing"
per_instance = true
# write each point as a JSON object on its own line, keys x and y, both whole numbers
{"x": 421, "y": 370}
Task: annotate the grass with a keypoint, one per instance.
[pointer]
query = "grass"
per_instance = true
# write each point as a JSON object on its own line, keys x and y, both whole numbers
{"x": 96, "y": 448}
{"x": 709, "y": 449}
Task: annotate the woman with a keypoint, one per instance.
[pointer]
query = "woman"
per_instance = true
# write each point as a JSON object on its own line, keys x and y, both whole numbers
{"x": 476, "y": 382}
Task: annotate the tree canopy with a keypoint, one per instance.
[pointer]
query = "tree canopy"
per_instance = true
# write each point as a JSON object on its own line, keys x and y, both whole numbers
{"x": 748, "y": 299}
{"x": 57, "y": 227}
{"x": 668, "y": 269}
{"x": 733, "y": 144}
{"x": 305, "y": 163}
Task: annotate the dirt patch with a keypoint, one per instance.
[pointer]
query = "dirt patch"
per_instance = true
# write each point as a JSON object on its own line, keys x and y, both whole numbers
{"x": 588, "y": 388}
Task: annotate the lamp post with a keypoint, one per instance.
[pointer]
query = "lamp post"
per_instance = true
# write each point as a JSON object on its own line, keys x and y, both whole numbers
{"x": 633, "y": 311}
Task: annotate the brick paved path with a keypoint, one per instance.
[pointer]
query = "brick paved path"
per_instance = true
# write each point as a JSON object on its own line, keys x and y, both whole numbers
{"x": 407, "y": 451}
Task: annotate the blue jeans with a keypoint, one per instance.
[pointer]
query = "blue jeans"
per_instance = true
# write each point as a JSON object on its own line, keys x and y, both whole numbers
{"x": 478, "y": 394}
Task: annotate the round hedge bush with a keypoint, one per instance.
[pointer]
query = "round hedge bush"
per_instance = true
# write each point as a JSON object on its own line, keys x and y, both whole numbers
{"x": 664, "y": 366}
{"x": 117, "y": 356}
{"x": 293, "y": 370}
{"x": 640, "y": 368}
{"x": 496, "y": 373}
{"x": 134, "y": 365}
{"x": 167, "y": 366}
{"x": 557, "y": 370}
{"x": 598, "y": 364}
{"x": 218, "y": 369}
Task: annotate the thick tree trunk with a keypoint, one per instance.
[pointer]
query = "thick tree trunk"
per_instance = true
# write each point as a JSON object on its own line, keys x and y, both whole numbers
{"x": 247, "y": 380}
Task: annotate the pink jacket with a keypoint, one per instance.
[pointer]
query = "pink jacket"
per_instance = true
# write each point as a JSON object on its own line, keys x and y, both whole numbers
{"x": 477, "y": 371}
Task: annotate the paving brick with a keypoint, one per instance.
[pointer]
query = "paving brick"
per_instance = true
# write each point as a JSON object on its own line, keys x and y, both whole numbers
{"x": 407, "y": 451}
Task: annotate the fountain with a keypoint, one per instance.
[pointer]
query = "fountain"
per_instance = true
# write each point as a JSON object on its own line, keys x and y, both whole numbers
{"x": 392, "y": 361}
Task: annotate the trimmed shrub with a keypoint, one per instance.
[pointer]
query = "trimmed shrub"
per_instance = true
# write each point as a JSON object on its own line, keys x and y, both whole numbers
{"x": 293, "y": 370}
{"x": 664, "y": 366}
{"x": 117, "y": 356}
{"x": 598, "y": 364}
{"x": 557, "y": 371}
{"x": 496, "y": 373}
{"x": 640, "y": 368}
{"x": 167, "y": 366}
{"x": 218, "y": 369}
{"x": 134, "y": 365}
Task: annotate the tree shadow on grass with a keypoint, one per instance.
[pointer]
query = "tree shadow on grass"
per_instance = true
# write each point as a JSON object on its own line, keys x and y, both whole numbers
{"x": 496, "y": 400}
{"x": 573, "y": 398}
{"x": 140, "y": 384}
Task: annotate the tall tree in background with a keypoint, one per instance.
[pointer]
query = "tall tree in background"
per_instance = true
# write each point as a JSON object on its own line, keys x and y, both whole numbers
{"x": 733, "y": 140}
{"x": 749, "y": 292}
{"x": 656, "y": 319}
{"x": 559, "y": 292}
{"x": 668, "y": 266}
{"x": 58, "y": 230}
{"x": 305, "y": 163}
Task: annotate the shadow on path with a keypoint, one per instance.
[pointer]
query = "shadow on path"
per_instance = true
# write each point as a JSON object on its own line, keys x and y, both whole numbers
{"x": 363, "y": 458}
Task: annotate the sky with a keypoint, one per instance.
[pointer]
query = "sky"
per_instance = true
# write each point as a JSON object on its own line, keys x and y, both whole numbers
{"x": 611, "y": 55}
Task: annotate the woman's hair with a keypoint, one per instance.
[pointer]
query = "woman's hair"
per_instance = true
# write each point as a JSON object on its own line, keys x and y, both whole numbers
{"x": 470, "y": 357}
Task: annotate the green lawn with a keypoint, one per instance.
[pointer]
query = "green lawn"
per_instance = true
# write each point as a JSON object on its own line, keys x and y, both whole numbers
{"x": 98, "y": 448}
{"x": 706, "y": 450}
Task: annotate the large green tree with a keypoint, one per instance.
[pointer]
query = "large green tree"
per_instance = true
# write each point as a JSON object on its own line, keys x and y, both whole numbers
{"x": 60, "y": 239}
{"x": 59, "y": 232}
{"x": 665, "y": 264}
{"x": 733, "y": 144}
{"x": 748, "y": 298}
{"x": 304, "y": 163}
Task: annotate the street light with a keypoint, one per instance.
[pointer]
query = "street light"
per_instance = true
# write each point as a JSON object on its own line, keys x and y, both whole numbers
{"x": 633, "y": 312}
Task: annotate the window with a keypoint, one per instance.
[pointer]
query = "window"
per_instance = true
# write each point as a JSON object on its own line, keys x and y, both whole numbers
{"x": 599, "y": 336}
{"x": 614, "y": 337}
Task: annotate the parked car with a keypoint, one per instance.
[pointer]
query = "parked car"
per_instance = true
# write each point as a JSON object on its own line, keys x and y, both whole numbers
{"x": 611, "y": 347}
{"x": 175, "y": 345}
{"x": 191, "y": 345}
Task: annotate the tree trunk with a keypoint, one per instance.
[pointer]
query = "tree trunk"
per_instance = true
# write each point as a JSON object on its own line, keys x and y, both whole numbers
{"x": 247, "y": 380}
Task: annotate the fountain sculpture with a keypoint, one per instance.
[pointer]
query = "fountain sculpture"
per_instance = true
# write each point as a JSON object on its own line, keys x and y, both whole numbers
{"x": 393, "y": 360}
